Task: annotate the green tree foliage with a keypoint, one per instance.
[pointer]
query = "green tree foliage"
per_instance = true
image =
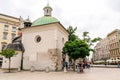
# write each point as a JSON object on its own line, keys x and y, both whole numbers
{"x": 76, "y": 49}
{"x": 71, "y": 32}
{"x": 88, "y": 40}
{"x": 8, "y": 53}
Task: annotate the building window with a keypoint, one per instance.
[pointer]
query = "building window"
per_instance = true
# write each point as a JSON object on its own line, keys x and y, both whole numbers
{"x": 4, "y": 45}
{"x": 63, "y": 41}
{"x": 5, "y": 35}
{"x": 6, "y": 27}
{"x": 37, "y": 39}
{"x": 47, "y": 11}
{"x": 13, "y": 36}
{"x": 13, "y": 29}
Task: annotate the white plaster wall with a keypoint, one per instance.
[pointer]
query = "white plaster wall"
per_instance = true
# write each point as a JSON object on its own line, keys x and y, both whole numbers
{"x": 36, "y": 54}
{"x": 61, "y": 34}
{"x": 33, "y": 49}
{"x": 15, "y": 61}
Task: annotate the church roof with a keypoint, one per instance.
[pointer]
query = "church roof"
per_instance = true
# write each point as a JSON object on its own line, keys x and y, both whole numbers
{"x": 16, "y": 44}
{"x": 44, "y": 20}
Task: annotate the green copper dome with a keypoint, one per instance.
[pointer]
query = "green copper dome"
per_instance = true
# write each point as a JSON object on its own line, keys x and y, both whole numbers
{"x": 44, "y": 20}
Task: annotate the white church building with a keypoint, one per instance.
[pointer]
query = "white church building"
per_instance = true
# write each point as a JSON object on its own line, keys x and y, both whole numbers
{"x": 40, "y": 45}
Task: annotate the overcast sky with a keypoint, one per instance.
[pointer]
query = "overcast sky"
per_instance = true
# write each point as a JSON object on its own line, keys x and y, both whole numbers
{"x": 98, "y": 17}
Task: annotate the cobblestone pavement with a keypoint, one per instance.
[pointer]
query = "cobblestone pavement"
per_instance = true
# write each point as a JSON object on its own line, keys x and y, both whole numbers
{"x": 89, "y": 74}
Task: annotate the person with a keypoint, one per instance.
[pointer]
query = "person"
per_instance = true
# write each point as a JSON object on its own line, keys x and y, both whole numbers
{"x": 105, "y": 64}
{"x": 66, "y": 65}
{"x": 77, "y": 67}
{"x": 81, "y": 66}
{"x": 88, "y": 65}
{"x": 63, "y": 65}
{"x": 118, "y": 64}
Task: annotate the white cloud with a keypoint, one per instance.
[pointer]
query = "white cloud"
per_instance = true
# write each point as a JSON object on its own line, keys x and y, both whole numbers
{"x": 99, "y": 17}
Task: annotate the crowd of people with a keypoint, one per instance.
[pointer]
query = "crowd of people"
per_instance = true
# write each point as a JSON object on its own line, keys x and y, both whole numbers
{"x": 79, "y": 66}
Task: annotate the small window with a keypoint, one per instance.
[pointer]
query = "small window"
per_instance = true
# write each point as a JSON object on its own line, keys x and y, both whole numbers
{"x": 13, "y": 36}
{"x": 6, "y": 27}
{"x": 13, "y": 29}
{"x": 5, "y": 35}
{"x": 4, "y": 45}
{"x": 37, "y": 39}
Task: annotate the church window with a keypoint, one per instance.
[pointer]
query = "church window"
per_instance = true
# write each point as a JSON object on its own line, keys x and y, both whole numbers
{"x": 63, "y": 41}
{"x": 37, "y": 39}
{"x": 47, "y": 10}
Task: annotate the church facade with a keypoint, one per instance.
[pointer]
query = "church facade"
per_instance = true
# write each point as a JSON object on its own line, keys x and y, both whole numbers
{"x": 43, "y": 41}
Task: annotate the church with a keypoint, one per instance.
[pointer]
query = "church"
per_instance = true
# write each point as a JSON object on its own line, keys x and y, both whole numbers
{"x": 40, "y": 44}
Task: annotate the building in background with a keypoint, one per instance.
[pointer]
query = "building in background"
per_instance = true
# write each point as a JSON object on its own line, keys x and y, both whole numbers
{"x": 114, "y": 44}
{"x": 8, "y": 30}
{"x": 109, "y": 47}
{"x": 102, "y": 50}
{"x": 96, "y": 55}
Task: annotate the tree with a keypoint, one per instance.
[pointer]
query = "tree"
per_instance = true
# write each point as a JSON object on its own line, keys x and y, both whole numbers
{"x": 8, "y": 53}
{"x": 88, "y": 40}
{"x": 76, "y": 49}
{"x": 71, "y": 32}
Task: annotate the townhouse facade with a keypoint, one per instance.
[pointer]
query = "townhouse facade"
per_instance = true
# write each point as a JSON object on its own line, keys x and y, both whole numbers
{"x": 109, "y": 47}
{"x": 102, "y": 50}
{"x": 114, "y": 43}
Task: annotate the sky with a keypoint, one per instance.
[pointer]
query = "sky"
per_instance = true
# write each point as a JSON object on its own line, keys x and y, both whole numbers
{"x": 98, "y": 17}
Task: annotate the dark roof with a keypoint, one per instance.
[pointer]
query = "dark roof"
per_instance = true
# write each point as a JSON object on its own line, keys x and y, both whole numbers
{"x": 16, "y": 44}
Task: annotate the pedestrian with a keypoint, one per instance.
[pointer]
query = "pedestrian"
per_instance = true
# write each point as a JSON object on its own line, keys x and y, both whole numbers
{"x": 77, "y": 68}
{"x": 63, "y": 65}
{"x": 118, "y": 64}
{"x": 81, "y": 67}
{"x": 66, "y": 65}
{"x": 105, "y": 64}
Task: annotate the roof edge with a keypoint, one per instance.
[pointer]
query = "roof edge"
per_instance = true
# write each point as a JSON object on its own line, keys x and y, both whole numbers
{"x": 9, "y": 16}
{"x": 47, "y": 24}
{"x": 39, "y": 25}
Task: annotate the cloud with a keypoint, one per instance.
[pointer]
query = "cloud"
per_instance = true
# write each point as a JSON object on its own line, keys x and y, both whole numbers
{"x": 114, "y": 4}
{"x": 99, "y": 17}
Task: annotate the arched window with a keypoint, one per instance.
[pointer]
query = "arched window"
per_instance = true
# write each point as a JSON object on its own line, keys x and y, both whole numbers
{"x": 63, "y": 41}
{"x": 47, "y": 11}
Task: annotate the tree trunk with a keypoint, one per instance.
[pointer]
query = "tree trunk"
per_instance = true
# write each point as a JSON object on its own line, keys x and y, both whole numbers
{"x": 74, "y": 65}
{"x": 9, "y": 63}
